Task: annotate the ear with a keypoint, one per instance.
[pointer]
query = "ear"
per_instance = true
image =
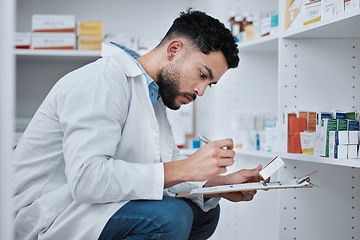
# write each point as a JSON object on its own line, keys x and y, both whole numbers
{"x": 174, "y": 48}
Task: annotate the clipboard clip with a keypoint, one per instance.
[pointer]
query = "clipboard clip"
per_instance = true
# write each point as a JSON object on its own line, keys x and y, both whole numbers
{"x": 305, "y": 178}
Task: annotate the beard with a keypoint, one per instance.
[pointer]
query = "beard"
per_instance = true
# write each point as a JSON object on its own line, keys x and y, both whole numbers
{"x": 168, "y": 81}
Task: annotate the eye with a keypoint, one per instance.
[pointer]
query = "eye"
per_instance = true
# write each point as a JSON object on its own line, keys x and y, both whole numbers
{"x": 202, "y": 75}
{"x": 213, "y": 83}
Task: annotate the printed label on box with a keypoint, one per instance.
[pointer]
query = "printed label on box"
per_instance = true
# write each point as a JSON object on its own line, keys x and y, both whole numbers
{"x": 53, "y": 41}
{"x": 329, "y": 8}
{"x": 312, "y": 12}
{"x": 53, "y": 23}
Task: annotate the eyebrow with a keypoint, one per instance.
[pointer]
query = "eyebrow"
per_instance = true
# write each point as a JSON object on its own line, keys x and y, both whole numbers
{"x": 210, "y": 72}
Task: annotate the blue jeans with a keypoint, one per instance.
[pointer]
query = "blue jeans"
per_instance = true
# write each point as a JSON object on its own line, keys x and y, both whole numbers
{"x": 168, "y": 219}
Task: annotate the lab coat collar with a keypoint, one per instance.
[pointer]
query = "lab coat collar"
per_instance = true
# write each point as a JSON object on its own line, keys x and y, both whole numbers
{"x": 110, "y": 50}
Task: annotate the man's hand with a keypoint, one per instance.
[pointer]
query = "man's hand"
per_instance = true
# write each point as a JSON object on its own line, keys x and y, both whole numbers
{"x": 209, "y": 161}
{"x": 242, "y": 176}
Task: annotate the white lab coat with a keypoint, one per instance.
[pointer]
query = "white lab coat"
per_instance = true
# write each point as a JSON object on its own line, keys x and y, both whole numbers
{"x": 94, "y": 144}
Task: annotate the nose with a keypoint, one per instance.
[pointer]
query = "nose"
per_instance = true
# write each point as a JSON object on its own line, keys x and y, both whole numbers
{"x": 200, "y": 89}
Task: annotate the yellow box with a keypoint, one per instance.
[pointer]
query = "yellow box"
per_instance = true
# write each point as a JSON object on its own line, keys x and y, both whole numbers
{"x": 86, "y": 28}
{"x": 90, "y": 42}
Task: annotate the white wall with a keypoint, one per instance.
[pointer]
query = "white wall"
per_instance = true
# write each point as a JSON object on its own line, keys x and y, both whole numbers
{"x": 7, "y": 92}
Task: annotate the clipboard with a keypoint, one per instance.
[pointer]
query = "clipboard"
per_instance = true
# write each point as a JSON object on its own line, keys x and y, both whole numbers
{"x": 303, "y": 182}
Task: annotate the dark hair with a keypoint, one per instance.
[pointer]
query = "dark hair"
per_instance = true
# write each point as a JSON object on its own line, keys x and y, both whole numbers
{"x": 207, "y": 33}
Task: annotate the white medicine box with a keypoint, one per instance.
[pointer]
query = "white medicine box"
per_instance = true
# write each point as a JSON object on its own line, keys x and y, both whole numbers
{"x": 329, "y": 8}
{"x": 354, "y": 137}
{"x": 351, "y": 5}
{"x": 338, "y": 137}
{"x": 53, "y": 23}
{"x": 338, "y": 151}
{"x": 22, "y": 40}
{"x": 353, "y": 151}
{"x": 64, "y": 41}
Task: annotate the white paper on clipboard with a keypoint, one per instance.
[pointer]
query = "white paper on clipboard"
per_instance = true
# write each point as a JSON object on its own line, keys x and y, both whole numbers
{"x": 303, "y": 182}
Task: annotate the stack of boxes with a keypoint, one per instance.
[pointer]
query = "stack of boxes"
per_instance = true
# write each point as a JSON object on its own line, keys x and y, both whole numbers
{"x": 304, "y": 12}
{"x": 90, "y": 35}
{"x": 329, "y": 134}
{"x": 301, "y": 129}
{"x": 344, "y": 144}
{"x": 343, "y": 135}
{"x": 59, "y": 32}
{"x": 255, "y": 25}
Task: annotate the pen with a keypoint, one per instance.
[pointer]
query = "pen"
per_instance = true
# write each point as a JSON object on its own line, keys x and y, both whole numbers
{"x": 203, "y": 139}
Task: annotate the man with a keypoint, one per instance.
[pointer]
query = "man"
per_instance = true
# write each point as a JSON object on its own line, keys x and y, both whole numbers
{"x": 98, "y": 160}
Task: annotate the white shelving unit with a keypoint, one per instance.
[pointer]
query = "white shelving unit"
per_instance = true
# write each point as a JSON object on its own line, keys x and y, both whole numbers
{"x": 318, "y": 70}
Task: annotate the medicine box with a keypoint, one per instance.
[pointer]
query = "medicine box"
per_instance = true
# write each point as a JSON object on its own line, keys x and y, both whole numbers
{"x": 265, "y": 26}
{"x": 293, "y": 19}
{"x": 342, "y": 125}
{"x": 90, "y": 42}
{"x": 319, "y": 139}
{"x": 353, "y": 125}
{"x": 307, "y": 142}
{"x": 351, "y": 5}
{"x": 293, "y": 14}
{"x": 338, "y": 137}
{"x": 311, "y": 120}
{"x": 89, "y": 28}
{"x": 351, "y": 115}
{"x": 53, "y": 23}
{"x": 53, "y": 41}
{"x": 352, "y": 151}
{"x": 22, "y": 40}
{"x": 354, "y": 137}
{"x": 329, "y": 8}
{"x": 340, "y": 6}
{"x": 292, "y": 4}
{"x": 274, "y": 27}
{"x": 312, "y": 12}
{"x": 327, "y": 126}
{"x": 338, "y": 115}
{"x": 338, "y": 151}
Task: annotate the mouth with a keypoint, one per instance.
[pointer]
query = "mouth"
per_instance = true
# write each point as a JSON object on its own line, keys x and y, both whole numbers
{"x": 188, "y": 99}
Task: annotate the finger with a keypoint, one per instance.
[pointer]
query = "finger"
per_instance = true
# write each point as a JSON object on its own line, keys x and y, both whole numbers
{"x": 249, "y": 195}
{"x": 248, "y": 173}
{"x": 225, "y": 162}
{"x": 224, "y": 143}
{"x": 222, "y": 170}
{"x": 226, "y": 153}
